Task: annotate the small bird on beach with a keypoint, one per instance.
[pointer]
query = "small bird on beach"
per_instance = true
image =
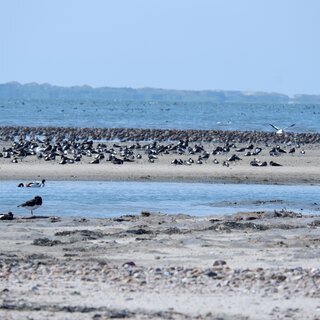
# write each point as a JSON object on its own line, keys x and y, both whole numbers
{"x": 6, "y": 216}
{"x": 274, "y": 164}
{"x": 32, "y": 204}
{"x": 280, "y": 131}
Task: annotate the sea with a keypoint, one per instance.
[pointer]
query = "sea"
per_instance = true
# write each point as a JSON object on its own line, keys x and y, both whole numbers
{"x": 114, "y": 198}
{"x": 159, "y": 115}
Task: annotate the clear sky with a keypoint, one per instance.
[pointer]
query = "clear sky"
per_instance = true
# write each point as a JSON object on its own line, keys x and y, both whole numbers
{"x": 251, "y": 45}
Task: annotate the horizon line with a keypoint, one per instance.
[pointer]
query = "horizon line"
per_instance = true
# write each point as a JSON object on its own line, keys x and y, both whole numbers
{"x": 247, "y": 92}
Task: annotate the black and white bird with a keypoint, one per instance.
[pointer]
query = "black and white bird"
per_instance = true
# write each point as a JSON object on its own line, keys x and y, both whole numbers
{"x": 275, "y": 164}
{"x": 6, "y": 216}
{"x": 35, "y": 184}
{"x": 33, "y": 204}
{"x": 280, "y": 130}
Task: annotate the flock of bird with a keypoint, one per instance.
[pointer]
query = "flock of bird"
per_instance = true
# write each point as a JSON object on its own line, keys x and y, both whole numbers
{"x": 139, "y": 134}
{"x": 69, "y": 152}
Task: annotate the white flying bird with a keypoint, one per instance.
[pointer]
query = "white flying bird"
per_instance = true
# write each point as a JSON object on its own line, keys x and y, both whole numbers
{"x": 279, "y": 130}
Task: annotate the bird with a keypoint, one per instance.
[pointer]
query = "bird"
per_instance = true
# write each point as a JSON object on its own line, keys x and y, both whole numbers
{"x": 36, "y": 184}
{"x": 225, "y": 163}
{"x": 6, "y": 216}
{"x": 258, "y": 163}
{"x": 274, "y": 164}
{"x": 32, "y": 204}
{"x": 95, "y": 161}
{"x": 280, "y": 131}
{"x": 234, "y": 157}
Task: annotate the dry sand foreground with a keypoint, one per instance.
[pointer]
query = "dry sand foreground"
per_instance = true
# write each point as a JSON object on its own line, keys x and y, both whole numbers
{"x": 161, "y": 267}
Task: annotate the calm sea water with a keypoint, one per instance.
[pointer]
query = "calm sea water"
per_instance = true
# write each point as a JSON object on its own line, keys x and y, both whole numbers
{"x": 160, "y": 115}
{"x": 107, "y": 199}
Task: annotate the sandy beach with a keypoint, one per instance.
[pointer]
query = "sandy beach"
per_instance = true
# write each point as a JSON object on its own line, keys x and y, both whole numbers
{"x": 159, "y": 160}
{"x": 255, "y": 265}
{"x": 157, "y": 266}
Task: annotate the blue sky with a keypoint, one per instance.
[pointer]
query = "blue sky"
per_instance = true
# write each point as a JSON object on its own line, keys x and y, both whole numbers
{"x": 251, "y": 45}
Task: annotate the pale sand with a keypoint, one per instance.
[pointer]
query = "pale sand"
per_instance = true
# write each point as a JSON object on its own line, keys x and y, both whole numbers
{"x": 296, "y": 169}
{"x": 76, "y": 269}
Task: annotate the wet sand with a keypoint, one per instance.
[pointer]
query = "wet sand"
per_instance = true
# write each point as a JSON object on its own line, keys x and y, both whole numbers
{"x": 155, "y": 266}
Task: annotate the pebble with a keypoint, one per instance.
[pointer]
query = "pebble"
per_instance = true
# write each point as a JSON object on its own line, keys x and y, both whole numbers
{"x": 291, "y": 282}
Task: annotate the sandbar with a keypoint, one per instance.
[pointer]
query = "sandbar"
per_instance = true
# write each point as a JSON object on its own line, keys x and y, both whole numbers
{"x": 298, "y": 168}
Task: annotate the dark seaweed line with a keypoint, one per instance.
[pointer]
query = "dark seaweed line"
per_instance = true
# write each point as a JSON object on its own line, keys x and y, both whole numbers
{"x": 106, "y": 312}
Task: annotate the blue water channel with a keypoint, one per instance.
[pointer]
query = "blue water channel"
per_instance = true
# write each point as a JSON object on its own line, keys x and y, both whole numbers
{"x": 109, "y": 199}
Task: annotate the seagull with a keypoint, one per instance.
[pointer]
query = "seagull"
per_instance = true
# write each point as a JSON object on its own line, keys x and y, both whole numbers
{"x": 279, "y": 130}
{"x": 32, "y": 204}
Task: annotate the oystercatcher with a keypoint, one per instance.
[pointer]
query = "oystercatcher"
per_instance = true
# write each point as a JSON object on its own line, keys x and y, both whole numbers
{"x": 36, "y": 184}
{"x": 32, "y": 204}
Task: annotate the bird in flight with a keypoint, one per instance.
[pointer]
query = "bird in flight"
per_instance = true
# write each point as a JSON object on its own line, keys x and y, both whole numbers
{"x": 280, "y": 130}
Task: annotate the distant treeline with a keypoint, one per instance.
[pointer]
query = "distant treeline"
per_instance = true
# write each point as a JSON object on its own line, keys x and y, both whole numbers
{"x": 15, "y": 90}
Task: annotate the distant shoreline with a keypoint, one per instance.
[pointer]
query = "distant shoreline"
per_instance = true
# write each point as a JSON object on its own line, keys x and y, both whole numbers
{"x": 16, "y": 90}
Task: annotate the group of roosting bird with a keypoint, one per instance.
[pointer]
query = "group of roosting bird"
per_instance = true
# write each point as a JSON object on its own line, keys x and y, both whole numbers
{"x": 67, "y": 151}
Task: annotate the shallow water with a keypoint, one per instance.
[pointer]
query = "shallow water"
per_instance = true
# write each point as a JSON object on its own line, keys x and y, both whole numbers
{"x": 108, "y": 199}
{"x": 161, "y": 115}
